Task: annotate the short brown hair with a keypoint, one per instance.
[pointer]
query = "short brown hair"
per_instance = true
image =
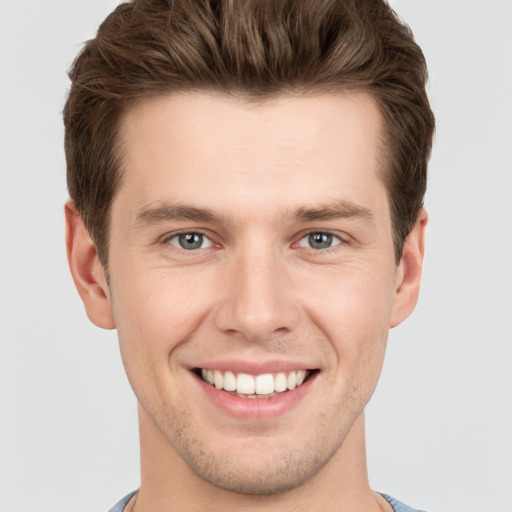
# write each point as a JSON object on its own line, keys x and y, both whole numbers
{"x": 251, "y": 48}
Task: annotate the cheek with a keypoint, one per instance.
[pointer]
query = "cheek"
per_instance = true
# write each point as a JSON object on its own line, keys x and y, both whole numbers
{"x": 354, "y": 315}
{"x": 154, "y": 317}
{"x": 357, "y": 299}
{"x": 155, "y": 312}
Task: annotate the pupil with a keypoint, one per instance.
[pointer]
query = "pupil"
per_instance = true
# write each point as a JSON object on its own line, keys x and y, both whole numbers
{"x": 320, "y": 240}
{"x": 191, "y": 240}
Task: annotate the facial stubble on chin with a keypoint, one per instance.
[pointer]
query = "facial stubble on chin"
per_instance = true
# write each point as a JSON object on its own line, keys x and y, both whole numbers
{"x": 277, "y": 472}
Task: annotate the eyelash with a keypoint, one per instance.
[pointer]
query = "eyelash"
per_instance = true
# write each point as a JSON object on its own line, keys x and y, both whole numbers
{"x": 328, "y": 234}
{"x": 176, "y": 236}
{"x": 334, "y": 238}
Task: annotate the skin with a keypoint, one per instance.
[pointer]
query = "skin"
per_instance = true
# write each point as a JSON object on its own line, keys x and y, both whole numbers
{"x": 256, "y": 290}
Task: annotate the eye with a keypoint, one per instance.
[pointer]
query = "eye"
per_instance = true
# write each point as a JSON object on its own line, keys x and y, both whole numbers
{"x": 190, "y": 241}
{"x": 319, "y": 240}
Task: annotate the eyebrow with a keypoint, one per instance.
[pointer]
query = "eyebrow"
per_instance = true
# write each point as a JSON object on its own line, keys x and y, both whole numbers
{"x": 342, "y": 209}
{"x": 165, "y": 212}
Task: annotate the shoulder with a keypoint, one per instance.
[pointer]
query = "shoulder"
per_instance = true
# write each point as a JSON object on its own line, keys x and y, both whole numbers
{"x": 398, "y": 506}
{"x": 119, "y": 506}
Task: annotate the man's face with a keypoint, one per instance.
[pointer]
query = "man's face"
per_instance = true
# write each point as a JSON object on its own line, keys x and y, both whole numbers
{"x": 254, "y": 243}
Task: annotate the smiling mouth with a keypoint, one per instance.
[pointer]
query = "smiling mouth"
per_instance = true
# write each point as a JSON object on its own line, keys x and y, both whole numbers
{"x": 265, "y": 385}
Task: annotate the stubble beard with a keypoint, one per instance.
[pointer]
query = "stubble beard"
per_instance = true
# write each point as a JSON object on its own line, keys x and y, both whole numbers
{"x": 274, "y": 471}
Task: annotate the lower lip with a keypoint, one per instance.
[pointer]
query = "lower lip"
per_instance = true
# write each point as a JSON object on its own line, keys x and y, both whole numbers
{"x": 253, "y": 409}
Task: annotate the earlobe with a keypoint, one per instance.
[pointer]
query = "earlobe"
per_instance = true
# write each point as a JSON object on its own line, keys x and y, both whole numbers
{"x": 87, "y": 272}
{"x": 408, "y": 274}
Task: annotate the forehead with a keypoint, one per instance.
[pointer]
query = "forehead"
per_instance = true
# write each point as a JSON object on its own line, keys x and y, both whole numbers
{"x": 228, "y": 153}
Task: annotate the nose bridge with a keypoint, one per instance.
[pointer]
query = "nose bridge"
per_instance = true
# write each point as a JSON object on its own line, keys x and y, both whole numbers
{"x": 258, "y": 300}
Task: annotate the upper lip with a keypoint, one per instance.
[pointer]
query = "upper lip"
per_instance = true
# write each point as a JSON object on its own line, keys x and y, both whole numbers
{"x": 254, "y": 367}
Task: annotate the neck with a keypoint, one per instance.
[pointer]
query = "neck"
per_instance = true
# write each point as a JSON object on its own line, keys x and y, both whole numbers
{"x": 168, "y": 484}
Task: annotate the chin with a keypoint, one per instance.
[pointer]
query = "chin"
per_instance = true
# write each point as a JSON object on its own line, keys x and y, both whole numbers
{"x": 276, "y": 474}
{"x": 259, "y": 466}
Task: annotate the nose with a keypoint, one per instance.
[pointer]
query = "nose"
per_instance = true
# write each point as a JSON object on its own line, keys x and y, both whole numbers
{"x": 259, "y": 301}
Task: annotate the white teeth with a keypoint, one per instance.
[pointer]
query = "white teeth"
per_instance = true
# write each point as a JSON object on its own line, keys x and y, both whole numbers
{"x": 218, "y": 379}
{"x": 291, "y": 381}
{"x": 229, "y": 381}
{"x": 264, "y": 384}
{"x": 280, "y": 383}
{"x": 245, "y": 384}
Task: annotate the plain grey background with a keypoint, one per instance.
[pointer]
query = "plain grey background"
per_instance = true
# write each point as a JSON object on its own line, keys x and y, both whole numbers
{"x": 440, "y": 423}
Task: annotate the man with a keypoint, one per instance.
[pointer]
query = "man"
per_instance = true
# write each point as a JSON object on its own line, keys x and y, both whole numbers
{"x": 246, "y": 182}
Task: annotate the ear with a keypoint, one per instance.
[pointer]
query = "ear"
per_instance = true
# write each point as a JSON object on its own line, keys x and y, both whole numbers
{"x": 408, "y": 273}
{"x": 87, "y": 272}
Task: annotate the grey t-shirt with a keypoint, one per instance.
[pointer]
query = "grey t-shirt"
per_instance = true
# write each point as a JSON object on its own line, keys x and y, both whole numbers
{"x": 397, "y": 506}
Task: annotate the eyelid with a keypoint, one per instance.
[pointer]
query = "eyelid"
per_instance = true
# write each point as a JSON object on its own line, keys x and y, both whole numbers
{"x": 174, "y": 234}
{"x": 335, "y": 239}
{"x": 342, "y": 237}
